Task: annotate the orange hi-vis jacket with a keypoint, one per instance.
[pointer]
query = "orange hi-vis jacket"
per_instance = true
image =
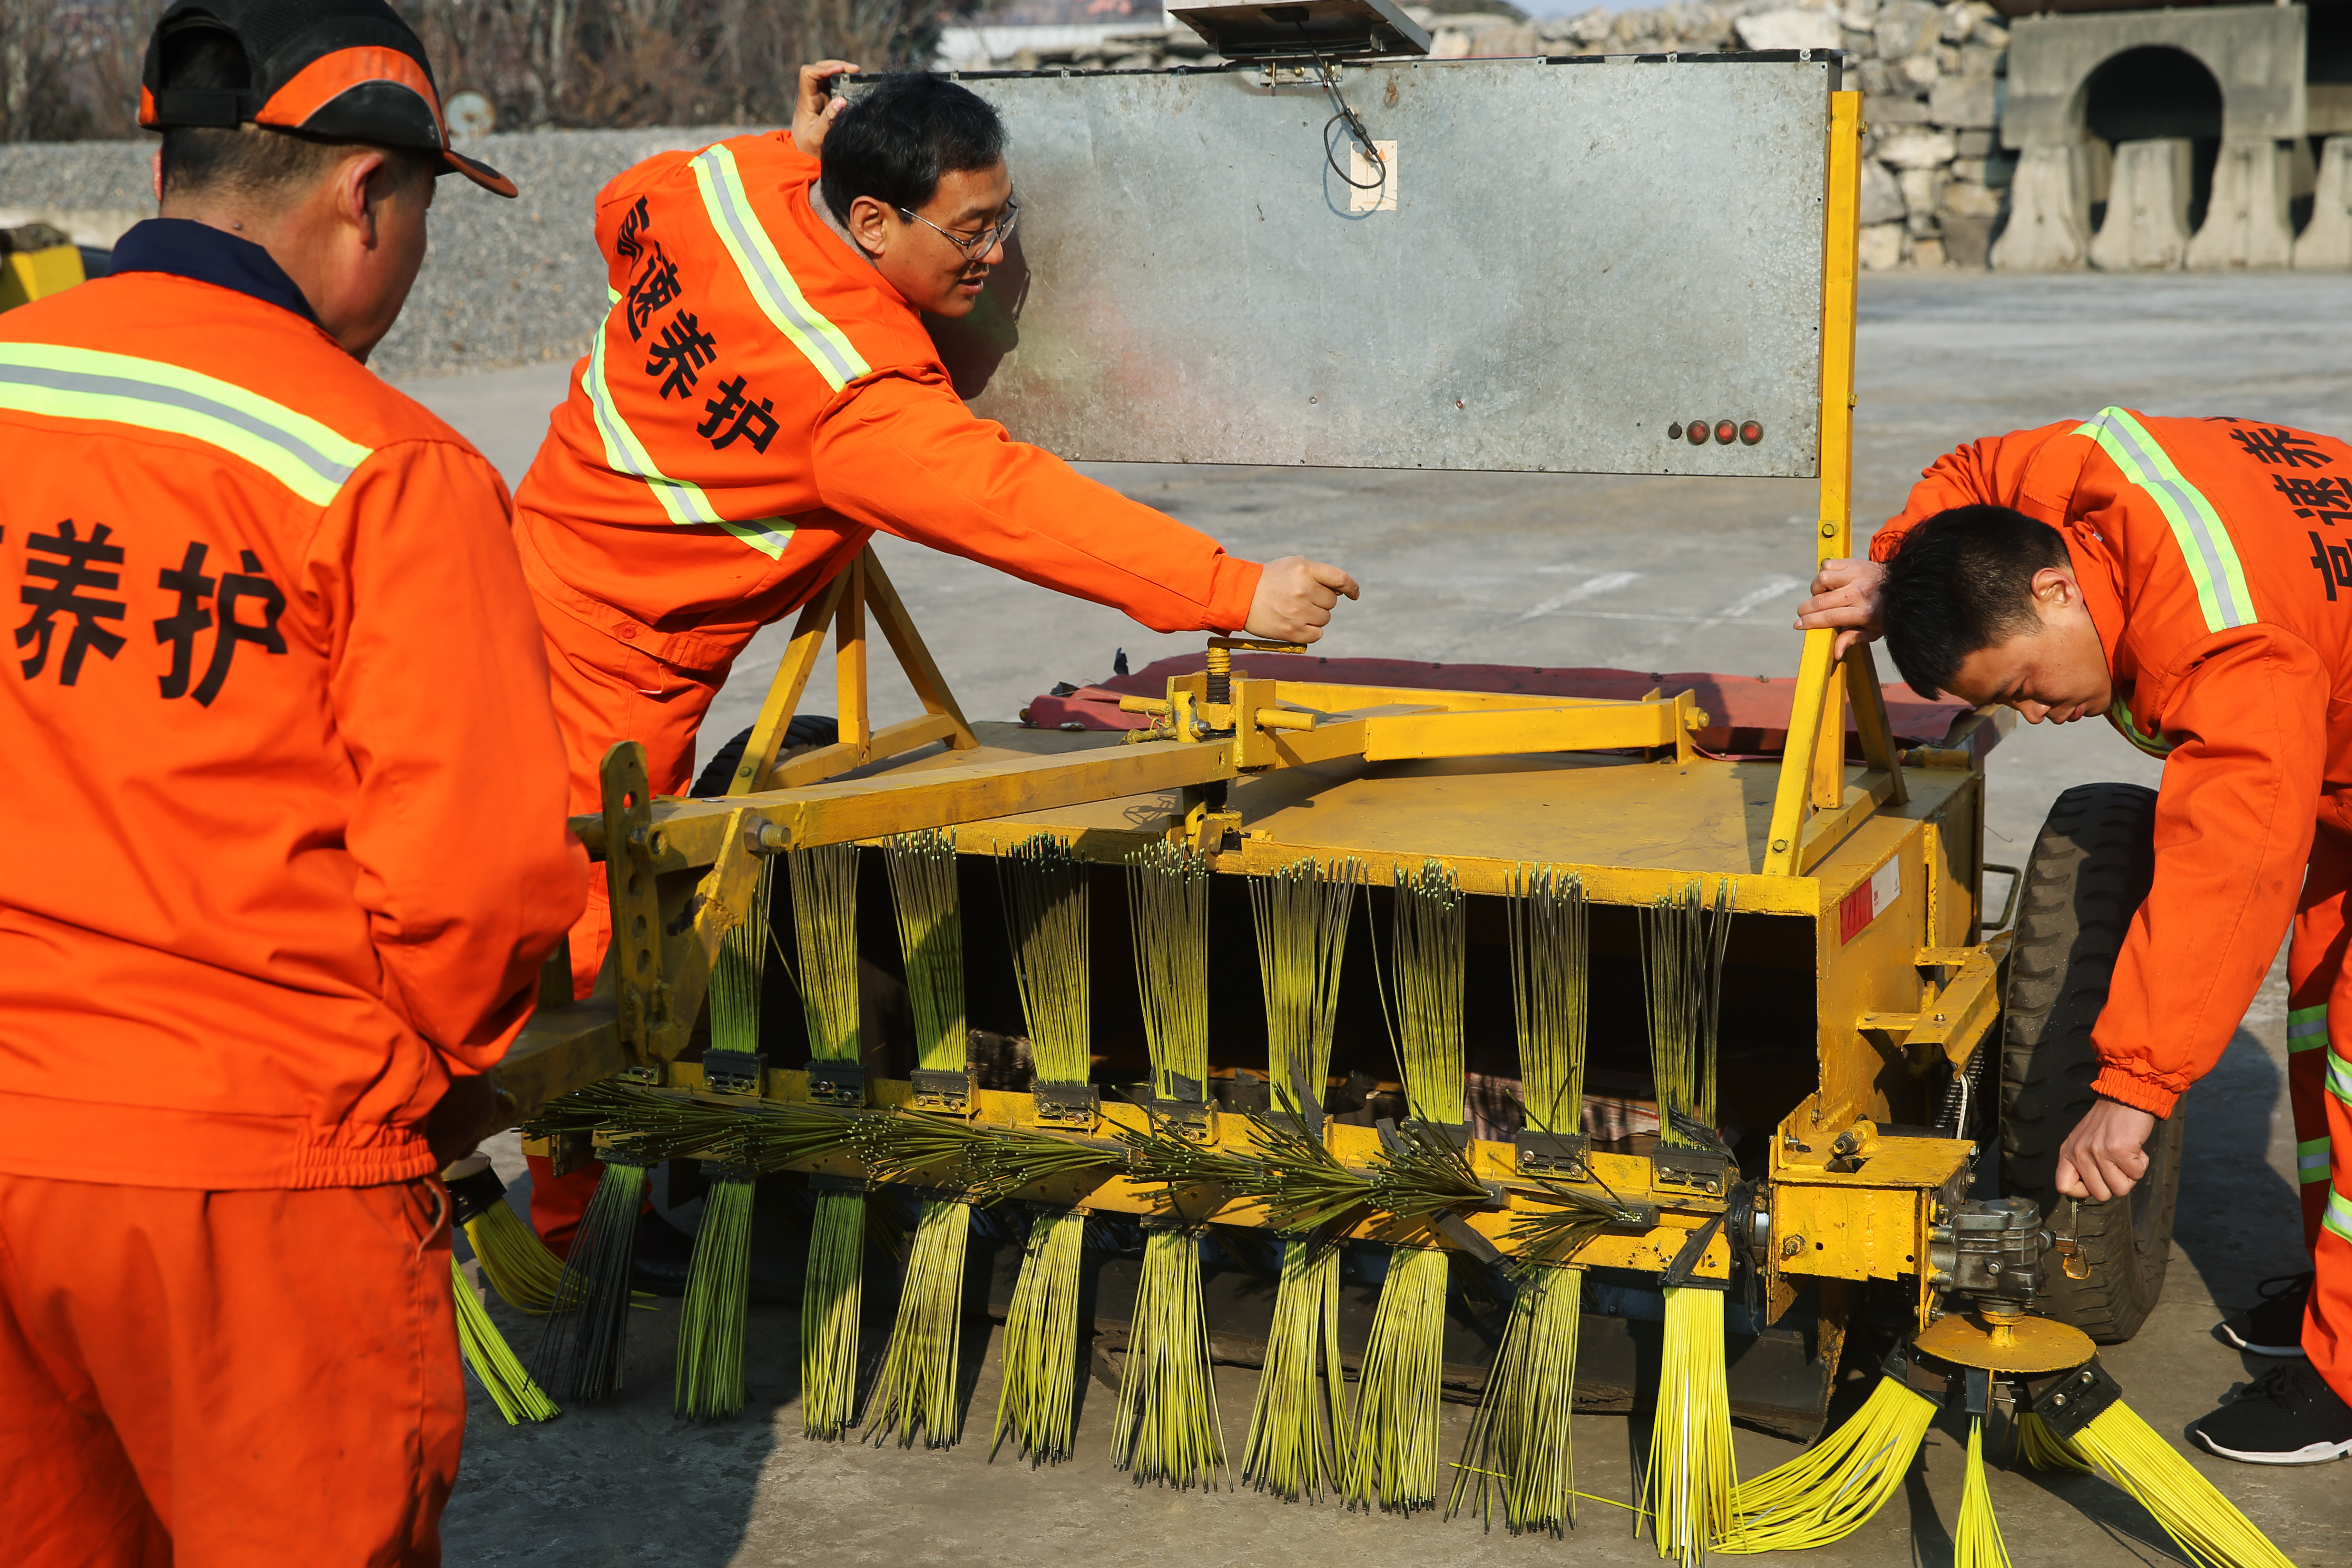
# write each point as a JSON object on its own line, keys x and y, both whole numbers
{"x": 2216, "y": 560}
{"x": 760, "y": 399}
{"x": 287, "y": 793}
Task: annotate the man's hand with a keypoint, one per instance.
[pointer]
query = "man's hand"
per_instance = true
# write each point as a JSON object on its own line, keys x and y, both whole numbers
{"x": 1845, "y": 596}
{"x": 2104, "y": 1156}
{"x": 1294, "y": 599}
{"x": 457, "y": 1125}
{"x": 815, "y": 109}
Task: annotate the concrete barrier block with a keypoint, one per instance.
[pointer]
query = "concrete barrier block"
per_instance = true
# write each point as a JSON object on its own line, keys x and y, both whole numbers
{"x": 2246, "y": 218}
{"x": 2147, "y": 225}
{"x": 2049, "y": 212}
{"x": 2326, "y": 245}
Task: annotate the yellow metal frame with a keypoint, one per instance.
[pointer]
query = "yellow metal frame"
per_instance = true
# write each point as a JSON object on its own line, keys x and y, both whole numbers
{"x": 1800, "y": 839}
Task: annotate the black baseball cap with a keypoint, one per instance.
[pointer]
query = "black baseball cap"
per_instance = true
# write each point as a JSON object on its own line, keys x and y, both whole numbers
{"x": 348, "y": 71}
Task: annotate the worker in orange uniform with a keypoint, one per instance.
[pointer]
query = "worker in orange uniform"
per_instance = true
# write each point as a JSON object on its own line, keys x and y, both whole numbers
{"x": 2190, "y": 581}
{"x": 761, "y": 397}
{"x": 288, "y": 844}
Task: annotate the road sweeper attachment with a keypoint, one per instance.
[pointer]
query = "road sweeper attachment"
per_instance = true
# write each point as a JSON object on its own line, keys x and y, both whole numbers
{"x": 1408, "y": 1043}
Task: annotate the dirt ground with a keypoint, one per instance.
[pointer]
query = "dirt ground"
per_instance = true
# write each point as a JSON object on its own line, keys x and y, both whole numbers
{"x": 1553, "y": 571}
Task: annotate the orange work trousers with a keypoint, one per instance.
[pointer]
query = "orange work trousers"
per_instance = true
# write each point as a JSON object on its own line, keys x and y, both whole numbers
{"x": 607, "y": 691}
{"x": 226, "y": 1380}
{"x": 2319, "y": 1087}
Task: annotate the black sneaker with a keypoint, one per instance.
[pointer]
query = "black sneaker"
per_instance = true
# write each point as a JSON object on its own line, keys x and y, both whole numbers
{"x": 2286, "y": 1417}
{"x": 2275, "y": 1326}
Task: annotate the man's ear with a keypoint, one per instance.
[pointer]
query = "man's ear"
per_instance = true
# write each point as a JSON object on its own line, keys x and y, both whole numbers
{"x": 868, "y": 225}
{"x": 2054, "y": 588}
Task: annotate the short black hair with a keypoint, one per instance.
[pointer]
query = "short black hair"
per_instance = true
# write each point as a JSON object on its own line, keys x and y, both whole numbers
{"x": 256, "y": 159}
{"x": 899, "y": 136}
{"x": 1962, "y": 582}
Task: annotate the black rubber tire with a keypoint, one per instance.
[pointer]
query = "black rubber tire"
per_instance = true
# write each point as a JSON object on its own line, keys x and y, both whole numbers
{"x": 806, "y": 729}
{"x": 2089, "y": 874}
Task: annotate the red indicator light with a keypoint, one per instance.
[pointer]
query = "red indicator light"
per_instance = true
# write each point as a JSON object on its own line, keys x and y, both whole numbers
{"x": 1751, "y": 432}
{"x": 1698, "y": 433}
{"x": 1726, "y": 433}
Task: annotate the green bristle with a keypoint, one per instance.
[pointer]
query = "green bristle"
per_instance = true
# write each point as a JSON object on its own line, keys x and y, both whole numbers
{"x": 1045, "y": 915}
{"x": 1550, "y": 964}
{"x": 1167, "y": 1427}
{"x": 825, "y": 931}
{"x": 1301, "y": 914}
{"x": 737, "y": 970}
{"x": 492, "y": 1360}
{"x": 709, "y": 1380}
{"x": 833, "y": 1296}
{"x": 916, "y": 1389}
{"x": 1043, "y": 888}
{"x": 585, "y": 1345}
{"x": 1690, "y": 1478}
{"x": 922, "y": 867}
{"x": 1298, "y": 1433}
{"x": 1429, "y": 961}
{"x": 1168, "y": 911}
{"x": 1683, "y": 949}
{"x": 1393, "y": 1465}
{"x": 1041, "y": 1342}
{"x": 1521, "y": 1434}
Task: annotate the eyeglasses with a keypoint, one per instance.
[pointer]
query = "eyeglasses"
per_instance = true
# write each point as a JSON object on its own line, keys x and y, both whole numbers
{"x": 979, "y": 244}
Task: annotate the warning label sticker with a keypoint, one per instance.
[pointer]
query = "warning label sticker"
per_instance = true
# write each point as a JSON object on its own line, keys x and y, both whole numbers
{"x": 1867, "y": 902}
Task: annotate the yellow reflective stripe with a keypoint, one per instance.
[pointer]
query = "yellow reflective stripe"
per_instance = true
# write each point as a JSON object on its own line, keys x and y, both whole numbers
{"x": 2338, "y": 1218}
{"x": 2306, "y": 1030}
{"x": 293, "y": 448}
{"x": 2339, "y": 1077}
{"x": 683, "y": 500}
{"x": 2197, "y": 527}
{"x": 822, "y": 343}
{"x": 2311, "y": 1159}
{"x": 2119, "y": 714}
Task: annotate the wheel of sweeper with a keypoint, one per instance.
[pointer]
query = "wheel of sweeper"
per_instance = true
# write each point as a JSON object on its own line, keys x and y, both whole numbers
{"x": 2089, "y": 873}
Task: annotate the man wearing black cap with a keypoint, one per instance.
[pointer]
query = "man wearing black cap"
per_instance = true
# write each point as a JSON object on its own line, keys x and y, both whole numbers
{"x": 274, "y": 714}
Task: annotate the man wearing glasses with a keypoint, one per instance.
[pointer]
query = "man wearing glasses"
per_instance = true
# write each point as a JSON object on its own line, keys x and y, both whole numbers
{"x": 764, "y": 396}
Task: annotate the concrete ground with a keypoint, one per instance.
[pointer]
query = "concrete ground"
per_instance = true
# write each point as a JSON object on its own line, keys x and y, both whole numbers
{"x": 1545, "y": 569}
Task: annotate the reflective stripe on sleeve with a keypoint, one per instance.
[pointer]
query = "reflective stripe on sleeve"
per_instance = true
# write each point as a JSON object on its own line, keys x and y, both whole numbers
{"x": 2339, "y": 1077}
{"x": 2338, "y": 1218}
{"x": 2197, "y": 527}
{"x": 823, "y": 344}
{"x": 293, "y": 448}
{"x": 682, "y": 499}
{"x": 2311, "y": 1159}
{"x": 2306, "y": 1030}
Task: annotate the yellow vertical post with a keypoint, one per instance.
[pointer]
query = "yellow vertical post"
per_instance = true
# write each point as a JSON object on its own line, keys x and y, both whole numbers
{"x": 1818, "y": 696}
{"x": 849, "y": 659}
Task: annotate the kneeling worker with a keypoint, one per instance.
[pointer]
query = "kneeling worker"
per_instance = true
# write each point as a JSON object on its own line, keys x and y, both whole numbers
{"x": 764, "y": 396}
{"x": 2190, "y": 581}
{"x": 275, "y": 724}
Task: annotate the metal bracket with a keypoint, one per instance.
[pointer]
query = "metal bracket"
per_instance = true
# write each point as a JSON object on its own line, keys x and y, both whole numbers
{"x": 1193, "y": 1120}
{"x": 733, "y": 1072}
{"x": 1067, "y": 1105}
{"x": 2078, "y": 1398}
{"x": 1558, "y": 1154}
{"x": 943, "y": 1089}
{"x": 1690, "y": 1170}
{"x": 836, "y": 1083}
{"x": 1246, "y": 1093}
